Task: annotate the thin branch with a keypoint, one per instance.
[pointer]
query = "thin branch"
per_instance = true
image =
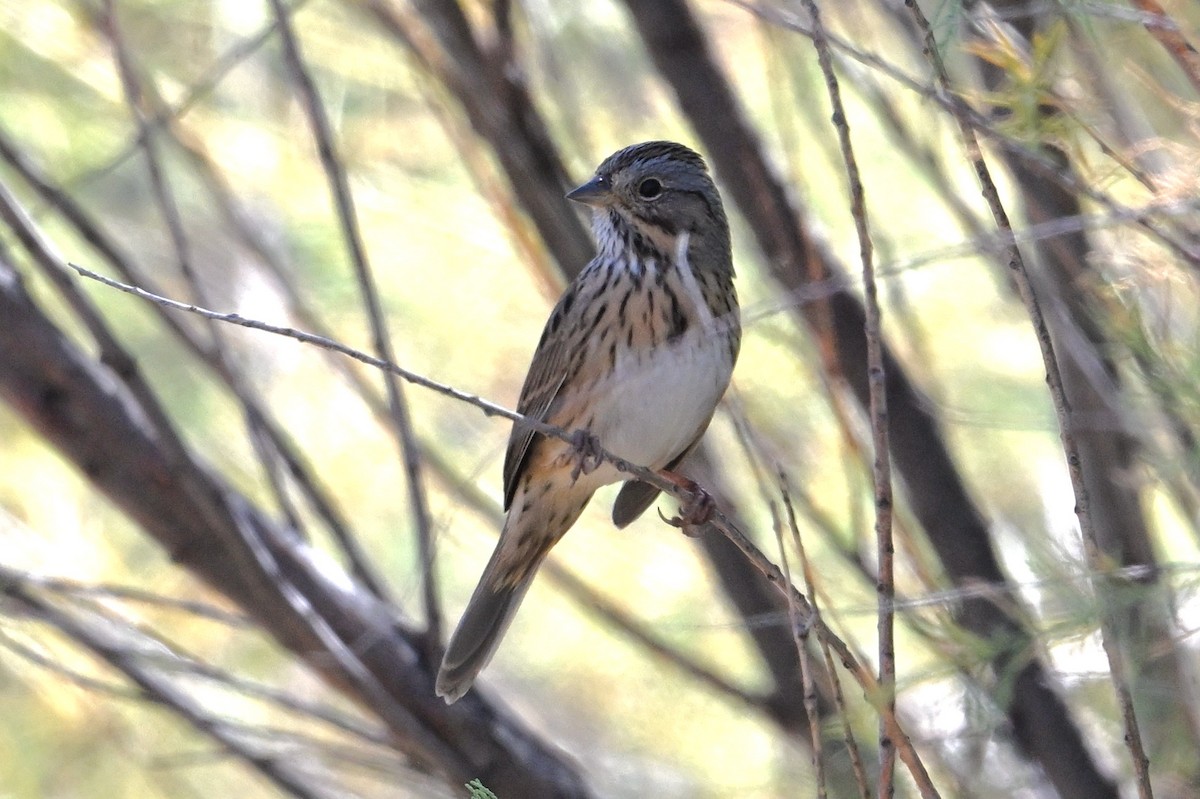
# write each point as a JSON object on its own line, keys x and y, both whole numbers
{"x": 178, "y": 662}
{"x": 881, "y": 470}
{"x": 298, "y": 468}
{"x": 75, "y": 588}
{"x": 136, "y": 98}
{"x": 439, "y": 34}
{"x": 800, "y": 631}
{"x": 1062, "y": 410}
{"x": 191, "y": 96}
{"x": 379, "y": 765}
{"x": 155, "y": 169}
{"x": 1168, "y": 34}
{"x": 865, "y": 678}
{"x": 719, "y": 519}
{"x": 1035, "y": 161}
{"x": 166, "y": 656}
{"x": 489, "y": 408}
{"x": 339, "y": 185}
{"x": 85, "y": 681}
{"x": 102, "y": 644}
{"x": 856, "y": 761}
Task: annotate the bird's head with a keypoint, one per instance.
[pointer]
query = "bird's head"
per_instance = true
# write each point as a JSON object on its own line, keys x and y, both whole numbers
{"x": 658, "y": 190}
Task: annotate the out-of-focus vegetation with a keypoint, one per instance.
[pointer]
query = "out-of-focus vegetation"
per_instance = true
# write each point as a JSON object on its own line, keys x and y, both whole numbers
{"x": 466, "y": 281}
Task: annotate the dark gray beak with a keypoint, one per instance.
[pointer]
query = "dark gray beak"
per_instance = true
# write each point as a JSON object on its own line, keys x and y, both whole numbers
{"x": 595, "y": 192}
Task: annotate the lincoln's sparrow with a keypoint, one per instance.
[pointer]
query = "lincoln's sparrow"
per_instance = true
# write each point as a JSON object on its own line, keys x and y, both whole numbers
{"x": 637, "y": 353}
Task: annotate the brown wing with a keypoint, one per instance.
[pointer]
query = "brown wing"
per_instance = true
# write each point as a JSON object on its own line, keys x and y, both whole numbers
{"x": 547, "y": 373}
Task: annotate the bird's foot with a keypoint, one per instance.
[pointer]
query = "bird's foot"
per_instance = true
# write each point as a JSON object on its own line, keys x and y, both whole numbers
{"x": 586, "y": 452}
{"x": 696, "y": 510}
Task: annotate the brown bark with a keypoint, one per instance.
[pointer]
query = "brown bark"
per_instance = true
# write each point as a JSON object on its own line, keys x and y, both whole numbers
{"x": 81, "y": 408}
{"x": 955, "y": 527}
{"x": 1073, "y": 287}
{"x": 501, "y": 112}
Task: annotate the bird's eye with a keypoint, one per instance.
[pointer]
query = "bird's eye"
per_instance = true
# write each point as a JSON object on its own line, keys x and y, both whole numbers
{"x": 650, "y": 188}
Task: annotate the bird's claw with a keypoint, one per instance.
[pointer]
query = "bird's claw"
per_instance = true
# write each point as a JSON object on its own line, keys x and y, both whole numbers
{"x": 696, "y": 511}
{"x": 588, "y": 455}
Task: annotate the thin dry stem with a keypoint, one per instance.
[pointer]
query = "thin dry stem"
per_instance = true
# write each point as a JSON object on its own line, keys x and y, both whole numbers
{"x": 856, "y": 762}
{"x": 339, "y": 184}
{"x": 863, "y": 675}
{"x": 1054, "y": 380}
{"x": 800, "y": 631}
{"x": 1034, "y": 160}
{"x": 720, "y": 521}
{"x": 1166, "y": 31}
{"x": 881, "y": 470}
{"x": 137, "y": 96}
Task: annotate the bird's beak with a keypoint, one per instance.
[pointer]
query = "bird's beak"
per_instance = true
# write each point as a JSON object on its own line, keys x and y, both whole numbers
{"x": 596, "y": 192}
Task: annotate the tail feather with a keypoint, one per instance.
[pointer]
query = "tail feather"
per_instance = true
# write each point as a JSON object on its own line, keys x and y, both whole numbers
{"x": 486, "y": 619}
{"x": 523, "y": 545}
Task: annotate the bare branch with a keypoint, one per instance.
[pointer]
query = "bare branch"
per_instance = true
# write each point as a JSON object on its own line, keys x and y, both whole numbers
{"x": 100, "y": 641}
{"x": 1062, "y": 409}
{"x": 206, "y": 527}
{"x": 877, "y": 404}
{"x": 343, "y": 199}
{"x": 720, "y": 521}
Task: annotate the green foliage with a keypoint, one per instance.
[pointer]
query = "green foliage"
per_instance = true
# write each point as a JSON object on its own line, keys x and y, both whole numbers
{"x": 1032, "y": 104}
{"x": 478, "y": 791}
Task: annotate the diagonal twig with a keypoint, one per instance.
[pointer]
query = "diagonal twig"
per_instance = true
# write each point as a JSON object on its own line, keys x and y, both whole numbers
{"x": 123, "y": 262}
{"x": 881, "y": 470}
{"x": 339, "y": 184}
{"x": 101, "y": 642}
{"x": 1062, "y": 410}
{"x": 863, "y": 675}
{"x": 800, "y": 632}
{"x": 856, "y": 762}
{"x": 140, "y": 94}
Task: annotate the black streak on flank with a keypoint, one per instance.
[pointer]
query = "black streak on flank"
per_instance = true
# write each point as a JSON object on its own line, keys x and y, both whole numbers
{"x": 660, "y": 277}
{"x": 568, "y": 301}
{"x": 622, "y": 306}
{"x": 678, "y": 322}
{"x": 596, "y": 320}
{"x": 614, "y": 274}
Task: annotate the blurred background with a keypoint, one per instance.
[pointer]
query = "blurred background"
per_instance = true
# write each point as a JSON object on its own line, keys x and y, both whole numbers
{"x": 229, "y": 558}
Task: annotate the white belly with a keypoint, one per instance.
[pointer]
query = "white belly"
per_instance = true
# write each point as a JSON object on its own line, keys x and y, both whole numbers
{"x": 659, "y": 399}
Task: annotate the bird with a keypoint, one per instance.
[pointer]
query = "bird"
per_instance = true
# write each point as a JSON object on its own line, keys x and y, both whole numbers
{"x": 634, "y": 359}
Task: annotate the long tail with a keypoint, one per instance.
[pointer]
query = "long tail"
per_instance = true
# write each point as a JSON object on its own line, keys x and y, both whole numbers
{"x": 483, "y": 624}
{"x": 523, "y": 545}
